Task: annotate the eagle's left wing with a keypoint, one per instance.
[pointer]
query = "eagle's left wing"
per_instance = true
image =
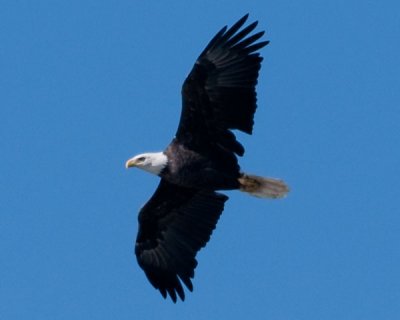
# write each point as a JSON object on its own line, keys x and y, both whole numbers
{"x": 219, "y": 94}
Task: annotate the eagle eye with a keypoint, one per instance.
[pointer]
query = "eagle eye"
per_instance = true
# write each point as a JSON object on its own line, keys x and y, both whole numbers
{"x": 141, "y": 159}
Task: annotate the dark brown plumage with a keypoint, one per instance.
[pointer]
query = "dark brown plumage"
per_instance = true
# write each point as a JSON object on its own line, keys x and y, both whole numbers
{"x": 174, "y": 225}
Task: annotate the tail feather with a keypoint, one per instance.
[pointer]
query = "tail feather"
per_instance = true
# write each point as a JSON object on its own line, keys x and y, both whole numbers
{"x": 263, "y": 187}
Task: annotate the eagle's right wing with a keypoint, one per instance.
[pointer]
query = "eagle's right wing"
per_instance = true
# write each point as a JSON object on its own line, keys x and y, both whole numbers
{"x": 173, "y": 226}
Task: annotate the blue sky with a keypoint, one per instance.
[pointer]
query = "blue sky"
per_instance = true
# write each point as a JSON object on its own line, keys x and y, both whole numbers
{"x": 85, "y": 85}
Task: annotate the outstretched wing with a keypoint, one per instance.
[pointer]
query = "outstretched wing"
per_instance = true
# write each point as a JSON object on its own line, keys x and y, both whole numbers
{"x": 220, "y": 92}
{"x": 173, "y": 226}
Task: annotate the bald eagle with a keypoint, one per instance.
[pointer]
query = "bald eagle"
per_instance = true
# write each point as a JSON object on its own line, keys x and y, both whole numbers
{"x": 217, "y": 96}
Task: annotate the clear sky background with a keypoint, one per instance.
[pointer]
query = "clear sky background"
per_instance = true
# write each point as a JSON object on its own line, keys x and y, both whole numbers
{"x": 85, "y": 85}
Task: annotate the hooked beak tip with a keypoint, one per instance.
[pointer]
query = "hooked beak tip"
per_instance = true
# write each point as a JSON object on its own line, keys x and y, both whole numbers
{"x": 129, "y": 164}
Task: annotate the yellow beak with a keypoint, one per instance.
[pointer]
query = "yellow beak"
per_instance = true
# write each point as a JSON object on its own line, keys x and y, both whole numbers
{"x": 130, "y": 163}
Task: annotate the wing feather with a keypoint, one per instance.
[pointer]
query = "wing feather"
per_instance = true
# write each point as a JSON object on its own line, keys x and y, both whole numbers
{"x": 173, "y": 226}
{"x": 219, "y": 93}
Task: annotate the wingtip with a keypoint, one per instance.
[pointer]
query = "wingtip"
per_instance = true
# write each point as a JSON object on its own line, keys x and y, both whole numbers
{"x": 245, "y": 17}
{"x": 238, "y": 24}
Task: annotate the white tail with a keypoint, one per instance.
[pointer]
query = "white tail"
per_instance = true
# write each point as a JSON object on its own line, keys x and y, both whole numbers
{"x": 263, "y": 187}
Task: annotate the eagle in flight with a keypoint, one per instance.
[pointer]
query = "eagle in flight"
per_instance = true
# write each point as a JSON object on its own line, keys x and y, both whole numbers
{"x": 218, "y": 96}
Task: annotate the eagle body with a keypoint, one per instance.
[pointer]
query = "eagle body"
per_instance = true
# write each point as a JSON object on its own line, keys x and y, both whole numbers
{"x": 211, "y": 169}
{"x": 218, "y": 96}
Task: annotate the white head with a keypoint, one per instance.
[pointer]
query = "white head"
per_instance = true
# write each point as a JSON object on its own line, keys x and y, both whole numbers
{"x": 151, "y": 162}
